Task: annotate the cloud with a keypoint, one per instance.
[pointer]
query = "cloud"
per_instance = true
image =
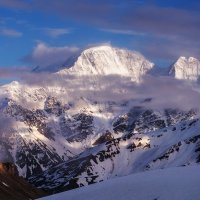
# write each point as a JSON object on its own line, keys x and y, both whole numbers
{"x": 87, "y": 10}
{"x": 13, "y": 72}
{"x": 122, "y": 16}
{"x": 56, "y": 32}
{"x": 128, "y": 16}
{"x": 122, "y": 32}
{"x": 170, "y": 23}
{"x": 168, "y": 49}
{"x": 166, "y": 22}
{"x": 15, "y": 4}
{"x": 165, "y": 91}
{"x": 10, "y": 32}
{"x": 44, "y": 55}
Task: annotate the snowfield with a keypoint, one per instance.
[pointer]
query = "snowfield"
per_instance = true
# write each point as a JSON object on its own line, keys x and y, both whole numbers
{"x": 180, "y": 183}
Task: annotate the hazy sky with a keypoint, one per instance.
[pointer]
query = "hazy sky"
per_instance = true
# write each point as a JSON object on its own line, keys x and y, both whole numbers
{"x": 34, "y": 32}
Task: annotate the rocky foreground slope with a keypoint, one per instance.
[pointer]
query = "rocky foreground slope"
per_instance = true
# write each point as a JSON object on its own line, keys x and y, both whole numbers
{"x": 13, "y": 187}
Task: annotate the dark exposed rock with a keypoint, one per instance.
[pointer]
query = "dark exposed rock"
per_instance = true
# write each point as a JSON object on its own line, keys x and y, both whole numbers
{"x": 8, "y": 168}
{"x": 131, "y": 147}
{"x": 53, "y": 106}
{"x": 104, "y": 138}
{"x": 82, "y": 126}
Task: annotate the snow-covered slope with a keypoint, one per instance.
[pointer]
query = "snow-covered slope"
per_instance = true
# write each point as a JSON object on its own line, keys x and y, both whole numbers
{"x": 173, "y": 183}
{"x": 150, "y": 140}
{"x": 186, "y": 68}
{"x": 106, "y": 60}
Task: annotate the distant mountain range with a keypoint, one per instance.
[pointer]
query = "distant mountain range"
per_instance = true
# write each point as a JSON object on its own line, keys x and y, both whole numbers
{"x": 84, "y": 124}
{"x": 104, "y": 60}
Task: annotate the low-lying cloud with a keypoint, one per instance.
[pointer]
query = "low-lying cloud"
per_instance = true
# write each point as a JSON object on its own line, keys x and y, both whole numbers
{"x": 13, "y": 72}
{"x": 165, "y": 91}
{"x": 116, "y": 93}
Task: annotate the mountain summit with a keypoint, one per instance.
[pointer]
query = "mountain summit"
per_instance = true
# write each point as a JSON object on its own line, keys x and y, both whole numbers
{"x": 106, "y": 60}
{"x": 186, "y": 68}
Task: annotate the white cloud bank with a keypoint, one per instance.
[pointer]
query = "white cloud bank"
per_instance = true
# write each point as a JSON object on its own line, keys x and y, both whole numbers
{"x": 44, "y": 55}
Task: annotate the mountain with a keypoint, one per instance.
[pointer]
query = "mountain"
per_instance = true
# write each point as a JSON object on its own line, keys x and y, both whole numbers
{"x": 45, "y": 125}
{"x": 142, "y": 139}
{"x": 86, "y": 123}
{"x": 106, "y": 60}
{"x": 186, "y": 68}
{"x": 173, "y": 183}
{"x": 102, "y": 60}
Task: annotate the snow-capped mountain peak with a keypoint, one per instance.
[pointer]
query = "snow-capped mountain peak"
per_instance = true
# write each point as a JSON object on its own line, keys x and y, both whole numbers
{"x": 186, "y": 68}
{"x": 106, "y": 60}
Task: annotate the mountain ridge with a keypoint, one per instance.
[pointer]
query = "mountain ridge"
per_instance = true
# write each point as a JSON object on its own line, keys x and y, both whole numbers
{"x": 105, "y": 59}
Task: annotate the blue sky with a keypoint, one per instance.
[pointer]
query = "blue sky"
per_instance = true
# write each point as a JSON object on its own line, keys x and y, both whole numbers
{"x": 34, "y": 32}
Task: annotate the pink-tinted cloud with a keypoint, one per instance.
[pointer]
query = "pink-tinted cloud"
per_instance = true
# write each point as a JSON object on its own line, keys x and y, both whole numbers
{"x": 56, "y": 32}
{"x": 10, "y": 32}
{"x": 13, "y": 72}
{"x": 44, "y": 55}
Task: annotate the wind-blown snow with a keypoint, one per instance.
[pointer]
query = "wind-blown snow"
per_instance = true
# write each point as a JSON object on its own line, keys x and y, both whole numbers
{"x": 172, "y": 183}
